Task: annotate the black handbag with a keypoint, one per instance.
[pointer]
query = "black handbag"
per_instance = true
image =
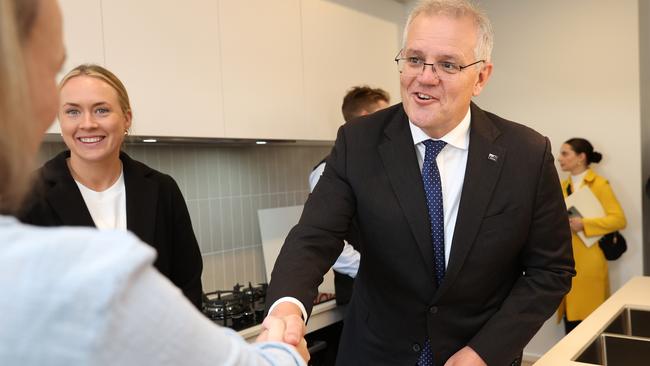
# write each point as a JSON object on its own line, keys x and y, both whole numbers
{"x": 613, "y": 245}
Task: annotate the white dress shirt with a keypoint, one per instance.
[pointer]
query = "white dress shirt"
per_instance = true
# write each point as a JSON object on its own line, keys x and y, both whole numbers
{"x": 78, "y": 296}
{"x": 314, "y": 176}
{"x": 451, "y": 161}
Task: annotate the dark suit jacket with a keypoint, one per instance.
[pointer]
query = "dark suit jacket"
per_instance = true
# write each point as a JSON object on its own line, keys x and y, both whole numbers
{"x": 511, "y": 259}
{"x": 155, "y": 211}
{"x": 343, "y": 284}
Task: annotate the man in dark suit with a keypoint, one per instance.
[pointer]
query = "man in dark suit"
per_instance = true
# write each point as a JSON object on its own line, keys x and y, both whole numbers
{"x": 470, "y": 245}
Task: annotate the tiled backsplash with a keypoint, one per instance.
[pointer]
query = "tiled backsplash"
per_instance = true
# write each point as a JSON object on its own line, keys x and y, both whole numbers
{"x": 224, "y": 187}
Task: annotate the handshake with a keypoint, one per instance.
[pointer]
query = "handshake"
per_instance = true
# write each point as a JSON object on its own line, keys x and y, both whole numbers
{"x": 285, "y": 324}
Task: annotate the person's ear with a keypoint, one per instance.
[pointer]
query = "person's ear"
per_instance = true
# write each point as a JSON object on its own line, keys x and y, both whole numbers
{"x": 128, "y": 116}
{"x": 583, "y": 158}
{"x": 483, "y": 77}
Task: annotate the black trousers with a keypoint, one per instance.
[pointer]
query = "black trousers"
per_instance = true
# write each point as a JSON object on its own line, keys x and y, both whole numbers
{"x": 569, "y": 325}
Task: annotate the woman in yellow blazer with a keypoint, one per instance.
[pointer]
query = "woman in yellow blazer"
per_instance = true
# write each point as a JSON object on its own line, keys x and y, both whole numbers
{"x": 590, "y": 286}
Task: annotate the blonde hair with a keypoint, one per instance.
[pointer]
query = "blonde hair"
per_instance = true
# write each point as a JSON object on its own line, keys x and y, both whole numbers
{"x": 101, "y": 73}
{"x": 16, "y": 118}
{"x": 457, "y": 9}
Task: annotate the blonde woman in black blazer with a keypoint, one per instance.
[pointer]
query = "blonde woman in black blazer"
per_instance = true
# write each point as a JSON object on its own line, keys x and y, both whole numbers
{"x": 95, "y": 114}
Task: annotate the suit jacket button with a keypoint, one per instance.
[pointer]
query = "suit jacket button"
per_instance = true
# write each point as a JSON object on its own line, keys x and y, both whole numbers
{"x": 433, "y": 309}
{"x": 416, "y": 347}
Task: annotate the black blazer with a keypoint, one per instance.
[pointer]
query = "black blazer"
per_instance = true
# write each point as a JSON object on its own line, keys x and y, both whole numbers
{"x": 155, "y": 211}
{"x": 511, "y": 259}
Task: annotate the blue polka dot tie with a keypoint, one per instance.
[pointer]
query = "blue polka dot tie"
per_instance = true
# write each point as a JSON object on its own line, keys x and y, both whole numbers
{"x": 433, "y": 191}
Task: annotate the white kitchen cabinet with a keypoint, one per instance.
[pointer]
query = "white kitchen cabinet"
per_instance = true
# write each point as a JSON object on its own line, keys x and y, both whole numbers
{"x": 82, "y": 33}
{"x": 262, "y": 63}
{"x": 167, "y": 54}
{"x": 347, "y": 43}
{"x": 254, "y": 69}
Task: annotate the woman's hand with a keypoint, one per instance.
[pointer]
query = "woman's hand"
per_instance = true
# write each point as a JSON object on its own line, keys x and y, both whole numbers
{"x": 576, "y": 224}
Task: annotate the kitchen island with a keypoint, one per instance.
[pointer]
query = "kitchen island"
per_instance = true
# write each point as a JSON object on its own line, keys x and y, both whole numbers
{"x": 634, "y": 295}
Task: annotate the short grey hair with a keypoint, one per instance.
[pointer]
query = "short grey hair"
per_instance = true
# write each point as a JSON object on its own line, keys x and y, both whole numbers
{"x": 457, "y": 9}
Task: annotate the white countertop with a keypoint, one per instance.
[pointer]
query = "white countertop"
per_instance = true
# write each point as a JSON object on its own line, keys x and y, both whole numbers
{"x": 322, "y": 315}
{"x": 635, "y": 293}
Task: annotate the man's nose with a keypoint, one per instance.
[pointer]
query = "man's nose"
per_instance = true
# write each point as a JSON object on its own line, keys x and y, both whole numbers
{"x": 429, "y": 75}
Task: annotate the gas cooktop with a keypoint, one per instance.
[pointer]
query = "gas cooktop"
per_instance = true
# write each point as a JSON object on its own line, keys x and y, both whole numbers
{"x": 243, "y": 306}
{"x": 239, "y": 308}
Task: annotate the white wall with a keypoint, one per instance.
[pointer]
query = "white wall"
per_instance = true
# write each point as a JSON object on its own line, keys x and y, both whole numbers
{"x": 571, "y": 69}
{"x": 644, "y": 57}
{"x": 567, "y": 69}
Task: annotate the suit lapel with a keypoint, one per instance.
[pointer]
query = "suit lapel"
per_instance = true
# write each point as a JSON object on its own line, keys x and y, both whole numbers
{"x": 484, "y": 163}
{"x": 64, "y": 196}
{"x": 141, "y": 199}
{"x": 399, "y": 158}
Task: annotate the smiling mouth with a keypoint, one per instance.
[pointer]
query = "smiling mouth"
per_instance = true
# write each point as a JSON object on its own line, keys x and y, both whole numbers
{"x": 422, "y": 96}
{"x": 90, "y": 140}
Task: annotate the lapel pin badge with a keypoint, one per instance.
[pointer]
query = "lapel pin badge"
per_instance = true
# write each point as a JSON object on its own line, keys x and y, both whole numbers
{"x": 492, "y": 157}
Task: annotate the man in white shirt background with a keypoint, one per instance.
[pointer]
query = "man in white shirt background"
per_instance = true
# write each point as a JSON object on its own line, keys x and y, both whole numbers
{"x": 358, "y": 101}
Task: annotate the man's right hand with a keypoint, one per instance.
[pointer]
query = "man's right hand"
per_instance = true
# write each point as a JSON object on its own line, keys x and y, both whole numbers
{"x": 274, "y": 331}
{"x": 292, "y": 322}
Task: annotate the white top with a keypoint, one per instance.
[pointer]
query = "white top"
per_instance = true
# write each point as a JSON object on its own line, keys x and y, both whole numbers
{"x": 349, "y": 259}
{"x": 75, "y": 296}
{"x": 108, "y": 207}
{"x": 348, "y": 262}
{"x": 314, "y": 176}
{"x": 451, "y": 161}
{"x": 576, "y": 180}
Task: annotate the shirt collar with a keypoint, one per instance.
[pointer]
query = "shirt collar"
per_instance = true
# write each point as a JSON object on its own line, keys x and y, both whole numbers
{"x": 458, "y": 137}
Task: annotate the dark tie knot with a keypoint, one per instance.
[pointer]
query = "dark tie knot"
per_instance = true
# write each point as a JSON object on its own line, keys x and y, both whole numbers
{"x": 433, "y": 148}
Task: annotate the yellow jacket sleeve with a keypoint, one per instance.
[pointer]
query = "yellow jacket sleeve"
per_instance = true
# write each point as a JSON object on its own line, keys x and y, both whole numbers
{"x": 614, "y": 218}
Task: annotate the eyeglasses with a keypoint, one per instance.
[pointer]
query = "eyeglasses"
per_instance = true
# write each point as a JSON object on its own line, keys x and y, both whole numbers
{"x": 413, "y": 66}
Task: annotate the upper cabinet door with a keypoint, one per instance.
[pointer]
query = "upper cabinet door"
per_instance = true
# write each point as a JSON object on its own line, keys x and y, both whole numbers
{"x": 82, "y": 33}
{"x": 347, "y": 43}
{"x": 167, "y": 54}
{"x": 262, "y": 63}
{"x": 254, "y": 69}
